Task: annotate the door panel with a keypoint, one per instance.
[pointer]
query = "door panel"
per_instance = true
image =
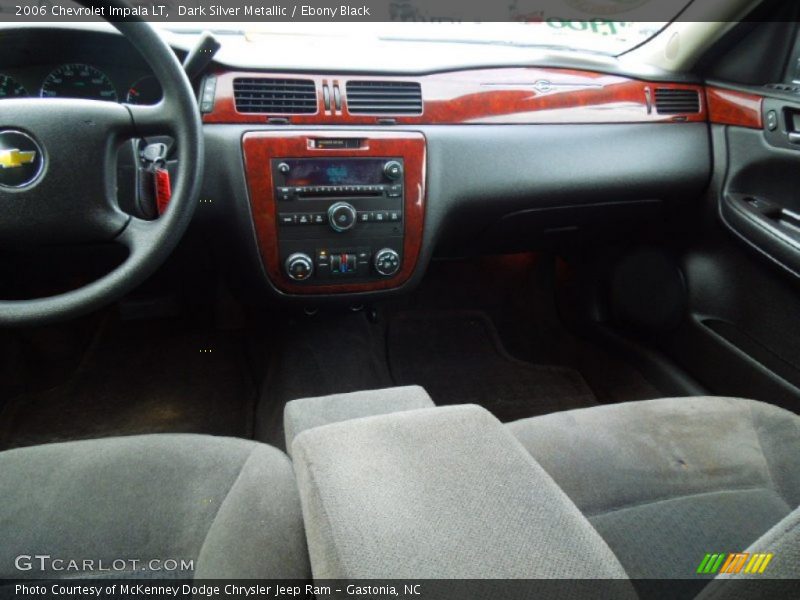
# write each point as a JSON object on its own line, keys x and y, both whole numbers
{"x": 742, "y": 334}
{"x": 760, "y": 200}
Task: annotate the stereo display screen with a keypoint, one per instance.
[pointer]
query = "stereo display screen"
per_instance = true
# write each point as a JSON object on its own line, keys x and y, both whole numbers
{"x": 332, "y": 171}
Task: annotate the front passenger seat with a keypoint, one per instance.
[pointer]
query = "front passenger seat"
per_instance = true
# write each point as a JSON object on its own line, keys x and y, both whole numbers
{"x": 219, "y": 507}
{"x": 667, "y": 481}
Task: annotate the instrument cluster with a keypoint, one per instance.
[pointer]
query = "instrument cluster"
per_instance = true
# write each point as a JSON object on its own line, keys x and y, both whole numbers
{"x": 81, "y": 80}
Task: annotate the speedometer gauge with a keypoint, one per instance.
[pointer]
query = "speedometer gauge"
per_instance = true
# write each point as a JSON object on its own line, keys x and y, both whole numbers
{"x": 78, "y": 81}
{"x": 10, "y": 88}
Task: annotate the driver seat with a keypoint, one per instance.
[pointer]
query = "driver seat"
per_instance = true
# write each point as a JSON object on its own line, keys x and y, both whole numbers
{"x": 218, "y": 507}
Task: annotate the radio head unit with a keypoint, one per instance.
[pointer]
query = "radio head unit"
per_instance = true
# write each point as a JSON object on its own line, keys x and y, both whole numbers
{"x": 302, "y": 177}
{"x": 339, "y": 218}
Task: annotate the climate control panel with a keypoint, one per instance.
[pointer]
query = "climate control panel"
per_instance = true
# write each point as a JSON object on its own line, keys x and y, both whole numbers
{"x": 339, "y": 220}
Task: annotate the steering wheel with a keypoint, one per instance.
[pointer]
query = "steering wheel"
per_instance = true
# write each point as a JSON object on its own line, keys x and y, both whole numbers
{"x": 58, "y": 171}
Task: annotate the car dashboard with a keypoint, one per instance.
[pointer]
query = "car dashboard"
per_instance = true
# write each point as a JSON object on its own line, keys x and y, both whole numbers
{"x": 343, "y": 185}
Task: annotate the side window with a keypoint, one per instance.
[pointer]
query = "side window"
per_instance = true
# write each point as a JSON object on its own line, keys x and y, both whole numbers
{"x": 793, "y": 68}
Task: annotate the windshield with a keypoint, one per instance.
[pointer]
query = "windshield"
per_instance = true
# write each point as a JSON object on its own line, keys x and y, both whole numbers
{"x": 596, "y": 36}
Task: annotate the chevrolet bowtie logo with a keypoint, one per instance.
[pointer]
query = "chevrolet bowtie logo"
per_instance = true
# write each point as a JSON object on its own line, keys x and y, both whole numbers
{"x": 13, "y": 158}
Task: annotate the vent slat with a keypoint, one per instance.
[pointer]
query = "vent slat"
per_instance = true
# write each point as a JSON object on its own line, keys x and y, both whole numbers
{"x": 384, "y": 97}
{"x": 269, "y": 95}
{"x": 672, "y": 102}
{"x": 388, "y": 94}
{"x": 383, "y": 101}
{"x": 784, "y": 87}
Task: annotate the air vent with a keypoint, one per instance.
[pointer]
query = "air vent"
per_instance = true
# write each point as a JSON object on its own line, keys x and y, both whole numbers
{"x": 384, "y": 98}
{"x": 784, "y": 87}
{"x": 677, "y": 102}
{"x": 276, "y": 96}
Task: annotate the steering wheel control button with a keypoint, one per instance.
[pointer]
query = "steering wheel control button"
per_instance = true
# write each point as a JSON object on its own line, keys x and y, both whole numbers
{"x": 393, "y": 170}
{"x": 21, "y": 159}
{"x": 341, "y": 216}
{"x": 387, "y": 262}
{"x": 299, "y": 266}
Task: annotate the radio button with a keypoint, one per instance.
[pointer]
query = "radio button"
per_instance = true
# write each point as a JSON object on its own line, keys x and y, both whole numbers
{"x": 287, "y": 219}
{"x": 364, "y": 217}
{"x": 394, "y": 215}
{"x": 303, "y": 219}
{"x": 284, "y": 193}
{"x": 395, "y": 190}
{"x": 318, "y": 219}
{"x": 380, "y": 216}
{"x": 393, "y": 169}
{"x": 341, "y": 216}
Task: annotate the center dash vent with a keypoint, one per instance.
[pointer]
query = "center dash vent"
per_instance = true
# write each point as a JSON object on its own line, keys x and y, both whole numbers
{"x": 674, "y": 102}
{"x": 384, "y": 98}
{"x": 277, "y": 96}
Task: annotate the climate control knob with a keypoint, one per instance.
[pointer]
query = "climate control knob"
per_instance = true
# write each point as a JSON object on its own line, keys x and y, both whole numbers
{"x": 393, "y": 170}
{"x": 341, "y": 216}
{"x": 299, "y": 266}
{"x": 386, "y": 262}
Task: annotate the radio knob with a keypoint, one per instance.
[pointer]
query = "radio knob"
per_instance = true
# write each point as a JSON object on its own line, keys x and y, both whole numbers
{"x": 386, "y": 262}
{"x": 393, "y": 170}
{"x": 299, "y": 266}
{"x": 284, "y": 168}
{"x": 341, "y": 216}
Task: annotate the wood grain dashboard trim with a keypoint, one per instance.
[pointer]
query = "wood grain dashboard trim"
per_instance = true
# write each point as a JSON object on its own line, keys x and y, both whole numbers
{"x": 729, "y": 107}
{"x": 260, "y": 147}
{"x": 481, "y": 96}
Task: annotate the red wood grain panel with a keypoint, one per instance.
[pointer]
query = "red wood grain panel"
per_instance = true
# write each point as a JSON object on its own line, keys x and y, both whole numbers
{"x": 261, "y": 147}
{"x": 728, "y": 107}
{"x": 504, "y": 95}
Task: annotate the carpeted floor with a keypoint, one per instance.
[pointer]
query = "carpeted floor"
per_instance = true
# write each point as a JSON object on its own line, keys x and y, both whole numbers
{"x": 483, "y": 331}
{"x": 332, "y": 352}
{"x": 459, "y": 358}
{"x": 140, "y": 377}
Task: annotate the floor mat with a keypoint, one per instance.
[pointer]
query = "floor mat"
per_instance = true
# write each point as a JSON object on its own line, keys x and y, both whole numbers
{"x": 458, "y": 358}
{"x": 333, "y": 352}
{"x": 141, "y": 377}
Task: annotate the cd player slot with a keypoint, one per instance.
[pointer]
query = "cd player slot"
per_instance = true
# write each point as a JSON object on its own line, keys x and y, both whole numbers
{"x": 306, "y": 193}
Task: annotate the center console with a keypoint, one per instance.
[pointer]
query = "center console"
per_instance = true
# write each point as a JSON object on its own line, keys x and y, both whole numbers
{"x": 337, "y": 213}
